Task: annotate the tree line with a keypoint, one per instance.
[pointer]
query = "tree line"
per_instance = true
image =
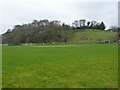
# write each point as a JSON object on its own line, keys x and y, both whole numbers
{"x": 45, "y": 31}
{"x": 83, "y": 24}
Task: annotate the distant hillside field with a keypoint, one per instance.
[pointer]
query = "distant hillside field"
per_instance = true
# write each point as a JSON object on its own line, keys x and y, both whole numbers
{"x": 92, "y": 36}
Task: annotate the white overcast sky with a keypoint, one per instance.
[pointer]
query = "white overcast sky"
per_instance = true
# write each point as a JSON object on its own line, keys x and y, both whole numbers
{"x": 13, "y": 12}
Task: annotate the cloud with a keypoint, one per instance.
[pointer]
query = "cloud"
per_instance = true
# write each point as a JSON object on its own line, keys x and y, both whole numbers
{"x": 24, "y": 11}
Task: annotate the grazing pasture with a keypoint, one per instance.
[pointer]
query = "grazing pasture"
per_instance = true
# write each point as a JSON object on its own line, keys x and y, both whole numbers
{"x": 65, "y": 66}
{"x": 92, "y": 36}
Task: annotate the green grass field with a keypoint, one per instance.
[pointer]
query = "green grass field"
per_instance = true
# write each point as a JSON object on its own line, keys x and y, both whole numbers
{"x": 70, "y": 66}
{"x": 92, "y": 36}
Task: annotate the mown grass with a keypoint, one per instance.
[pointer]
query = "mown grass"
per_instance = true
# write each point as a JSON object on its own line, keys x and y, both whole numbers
{"x": 79, "y": 66}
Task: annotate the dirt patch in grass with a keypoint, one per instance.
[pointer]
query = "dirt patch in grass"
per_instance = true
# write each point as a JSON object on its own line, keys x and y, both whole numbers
{"x": 84, "y": 38}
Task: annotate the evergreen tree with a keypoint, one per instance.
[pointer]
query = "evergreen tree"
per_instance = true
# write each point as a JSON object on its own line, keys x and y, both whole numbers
{"x": 102, "y": 26}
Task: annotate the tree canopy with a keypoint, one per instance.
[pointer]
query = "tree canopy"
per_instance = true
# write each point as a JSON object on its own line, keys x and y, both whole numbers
{"x": 45, "y": 31}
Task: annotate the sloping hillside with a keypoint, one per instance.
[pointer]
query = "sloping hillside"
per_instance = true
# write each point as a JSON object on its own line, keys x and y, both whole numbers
{"x": 92, "y": 36}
